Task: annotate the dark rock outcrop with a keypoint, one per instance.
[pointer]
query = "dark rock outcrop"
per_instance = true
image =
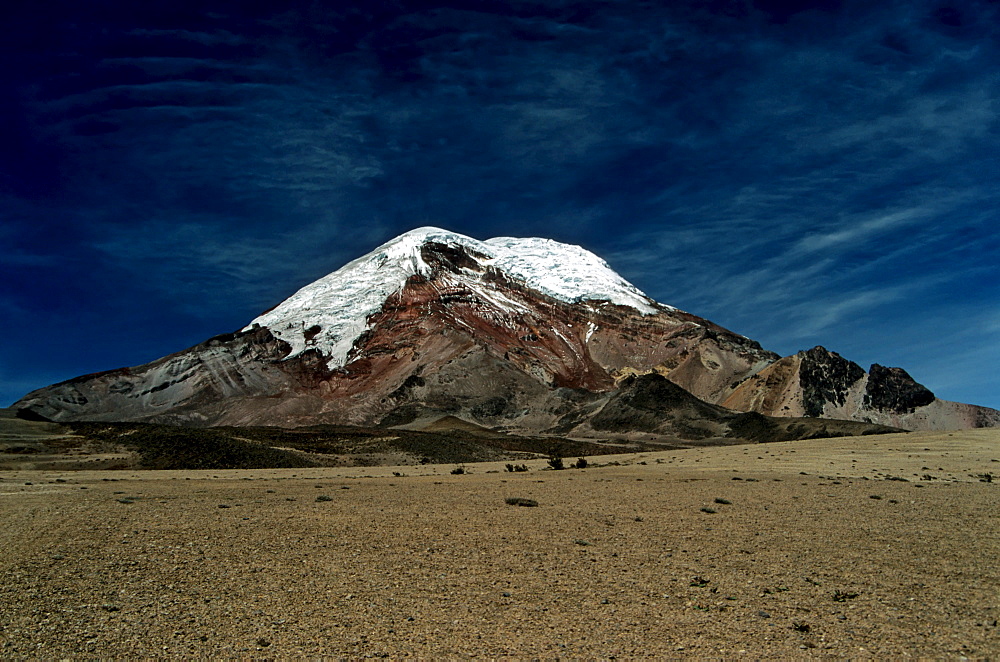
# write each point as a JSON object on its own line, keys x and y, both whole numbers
{"x": 894, "y": 390}
{"x": 826, "y": 377}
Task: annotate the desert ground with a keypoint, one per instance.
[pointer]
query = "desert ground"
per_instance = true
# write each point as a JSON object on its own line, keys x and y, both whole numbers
{"x": 857, "y": 547}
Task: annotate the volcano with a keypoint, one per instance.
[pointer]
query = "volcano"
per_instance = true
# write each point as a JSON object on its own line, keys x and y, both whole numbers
{"x": 521, "y": 335}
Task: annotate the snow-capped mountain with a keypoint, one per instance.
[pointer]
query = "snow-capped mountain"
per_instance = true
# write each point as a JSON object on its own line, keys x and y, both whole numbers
{"x": 338, "y": 305}
{"x": 524, "y": 335}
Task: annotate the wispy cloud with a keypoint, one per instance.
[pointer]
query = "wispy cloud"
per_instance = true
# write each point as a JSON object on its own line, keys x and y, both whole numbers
{"x": 214, "y": 38}
{"x": 854, "y": 231}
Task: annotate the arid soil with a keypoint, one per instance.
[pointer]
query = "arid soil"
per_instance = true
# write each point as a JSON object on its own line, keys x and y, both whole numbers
{"x": 868, "y": 547}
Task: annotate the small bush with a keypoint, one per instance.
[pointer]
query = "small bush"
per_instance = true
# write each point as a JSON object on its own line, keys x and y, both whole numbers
{"x": 710, "y": 511}
{"x": 458, "y": 471}
{"x": 724, "y": 502}
{"x": 581, "y": 463}
{"x": 519, "y": 501}
{"x": 556, "y": 462}
{"x": 324, "y": 497}
{"x": 517, "y": 467}
{"x": 843, "y": 596}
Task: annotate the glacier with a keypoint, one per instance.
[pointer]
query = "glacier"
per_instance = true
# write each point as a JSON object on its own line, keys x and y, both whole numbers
{"x": 341, "y": 302}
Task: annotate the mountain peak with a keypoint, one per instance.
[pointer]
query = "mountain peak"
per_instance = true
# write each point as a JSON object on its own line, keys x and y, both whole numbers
{"x": 427, "y": 233}
{"x": 332, "y": 312}
{"x": 410, "y": 243}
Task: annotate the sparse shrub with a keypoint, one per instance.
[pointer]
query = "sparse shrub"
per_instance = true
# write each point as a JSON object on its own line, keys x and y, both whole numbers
{"x": 520, "y": 501}
{"x": 581, "y": 463}
{"x": 556, "y": 462}
{"x": 517, "y": 467}
{"x": 843, "y": 596}
{"x": 724, "y": 502}
{"x": 710, "y": 511}
{"x": 458, "y": 471}
{"x": 699, "y": 581}
{"x": 800, "y": 627}
{"x": 174, "y": 447}
{"x": 324, "y": 497}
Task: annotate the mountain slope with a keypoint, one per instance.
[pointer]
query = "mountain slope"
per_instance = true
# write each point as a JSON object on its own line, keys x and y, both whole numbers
{"x": 511, "y": 334}
{"x": 654, "y": 405}
{"x": 821, "y": 383}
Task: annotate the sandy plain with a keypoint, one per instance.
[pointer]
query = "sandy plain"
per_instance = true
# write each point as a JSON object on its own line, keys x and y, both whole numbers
{"x": 864, "y": 548}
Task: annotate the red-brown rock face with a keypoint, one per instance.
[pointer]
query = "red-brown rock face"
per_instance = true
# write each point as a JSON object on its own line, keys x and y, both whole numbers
{"x": 419, "y": 342}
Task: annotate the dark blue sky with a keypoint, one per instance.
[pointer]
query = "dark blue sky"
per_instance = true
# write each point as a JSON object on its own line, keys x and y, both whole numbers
{"x": 802, "y": 173}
